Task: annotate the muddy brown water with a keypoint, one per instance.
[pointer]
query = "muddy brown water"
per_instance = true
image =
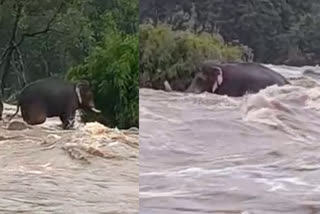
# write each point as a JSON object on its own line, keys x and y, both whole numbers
{"x": 91, "y": 169}
{"x": 259, "y": 154}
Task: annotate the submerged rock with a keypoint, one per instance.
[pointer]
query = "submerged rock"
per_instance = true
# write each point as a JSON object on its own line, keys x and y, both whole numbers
{"x": 18, "y": 125}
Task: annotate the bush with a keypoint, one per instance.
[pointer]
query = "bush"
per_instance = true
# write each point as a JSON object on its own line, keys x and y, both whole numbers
{"x": 112, "y": 69}
{"x": 173, "y": 55}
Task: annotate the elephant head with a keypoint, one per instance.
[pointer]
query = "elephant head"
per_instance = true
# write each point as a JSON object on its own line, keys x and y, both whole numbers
{"x": 85, "y": 96}
{"x": 208, "y": 78}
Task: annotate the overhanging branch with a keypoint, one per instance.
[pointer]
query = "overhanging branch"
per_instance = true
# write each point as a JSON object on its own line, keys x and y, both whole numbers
{"x": 45, "y": 30}
{"x": 12, "y": 54}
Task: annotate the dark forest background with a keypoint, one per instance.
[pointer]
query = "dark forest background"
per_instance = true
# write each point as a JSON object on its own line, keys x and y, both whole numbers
{"x": 95, "y": 40}
{"x": 267, "y": 31}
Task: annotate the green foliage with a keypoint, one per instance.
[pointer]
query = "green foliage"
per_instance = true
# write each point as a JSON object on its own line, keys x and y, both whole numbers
{"x": 114, "y": 15}
{"x": 174, "y": 55}
{"x": 279, "y": 31}
{"x": 113, "y": 71}
{"x": 112, "y": 66}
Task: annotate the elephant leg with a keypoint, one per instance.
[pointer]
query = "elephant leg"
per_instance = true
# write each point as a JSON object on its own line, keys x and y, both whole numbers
{"x": 33, "y": 114}
{"x": 68, "y": 120}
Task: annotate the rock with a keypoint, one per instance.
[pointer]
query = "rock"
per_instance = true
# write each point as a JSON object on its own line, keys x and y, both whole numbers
{"x": 18, "y": 125}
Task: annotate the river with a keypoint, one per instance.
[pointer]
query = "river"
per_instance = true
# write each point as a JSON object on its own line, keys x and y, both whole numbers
{"x": 258, "y": 154}
{"x": 44, "y": 169}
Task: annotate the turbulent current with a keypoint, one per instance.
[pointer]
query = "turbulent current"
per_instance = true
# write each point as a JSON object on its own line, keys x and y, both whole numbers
{"x": 44, "y": 169}
{"x": 258, "y": 154}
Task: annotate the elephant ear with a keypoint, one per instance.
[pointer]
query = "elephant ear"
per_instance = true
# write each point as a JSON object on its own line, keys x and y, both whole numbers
{"x": 79, "y": 85}
{"x": 214, "y": 73}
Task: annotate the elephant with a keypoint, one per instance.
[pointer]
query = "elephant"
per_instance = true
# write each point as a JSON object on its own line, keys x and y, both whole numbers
{"x": 234, "y": 79}
{"x": 54, "y": 97}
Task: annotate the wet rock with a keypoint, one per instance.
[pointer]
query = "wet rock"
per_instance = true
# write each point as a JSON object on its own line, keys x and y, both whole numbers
{"x": 18, "y": 125}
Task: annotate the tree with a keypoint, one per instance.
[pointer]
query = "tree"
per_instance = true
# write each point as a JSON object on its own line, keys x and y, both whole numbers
{"x": 38, "y": 40}
{"x": 112, "y": 66}
{"x": 272, "y": 28}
